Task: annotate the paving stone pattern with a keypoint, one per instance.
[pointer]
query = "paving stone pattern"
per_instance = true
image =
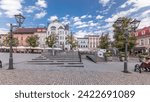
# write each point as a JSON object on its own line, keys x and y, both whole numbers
{"x": 101, "y": 73}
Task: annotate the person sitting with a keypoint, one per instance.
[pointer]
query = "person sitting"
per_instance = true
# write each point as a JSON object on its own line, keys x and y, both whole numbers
{"x": 146, "y": 64}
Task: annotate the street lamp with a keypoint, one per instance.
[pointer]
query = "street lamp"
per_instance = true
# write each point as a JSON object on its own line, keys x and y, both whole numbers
{"x": 20, "y": 19}
{"x": 131, "y": 26}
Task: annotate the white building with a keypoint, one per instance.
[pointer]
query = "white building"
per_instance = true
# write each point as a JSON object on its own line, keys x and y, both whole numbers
{"x": 82, "y": 43}
{"x": 61, "y": 32}
{"x": 41, "y": 33}
{"x": 93, "y": 41}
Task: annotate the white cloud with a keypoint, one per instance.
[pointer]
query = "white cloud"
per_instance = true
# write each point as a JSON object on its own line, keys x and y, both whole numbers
{"x": 136, "y": 3}
{"x": 3, "y": 31}
{"x": 66, "y": 20}
{"x": 83, "y": 26}
{"x": 99, "y": 17}
{"x": 82, "y": 33}
{"x": 40, "y": 15}
{"x": 93, "y": 24}
{"x": 89, "y": 16}
{"x": 41, "y": 3}
{"x": 144, "y": 22}
{"x": 52, "y": 18}
{"x": 104, "y": 2}
{"x": 11, "y": 8}
{"x": 0, "y": 13}
{"x": 75, "y": 19}
{"x": 78, "y": 23}
{"x": 84, "y": 16}
{"x": 31, "y": 9}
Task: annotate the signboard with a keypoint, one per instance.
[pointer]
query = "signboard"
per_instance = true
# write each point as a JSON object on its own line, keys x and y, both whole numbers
{"x": 100, "y": 52}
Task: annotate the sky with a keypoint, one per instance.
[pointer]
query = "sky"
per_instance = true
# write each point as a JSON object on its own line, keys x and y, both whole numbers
{"x": 83, "y": 16}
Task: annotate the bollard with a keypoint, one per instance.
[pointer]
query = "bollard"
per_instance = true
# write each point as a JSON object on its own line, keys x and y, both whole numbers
{"x": 0, "y": 64}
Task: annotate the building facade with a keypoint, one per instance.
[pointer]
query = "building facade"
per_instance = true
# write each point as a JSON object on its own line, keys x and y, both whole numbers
{"x": 83, "y": 42}
{"x": 23, "y": 33}
{"x": 143, "y": 40}
{"x": 2, "y": 38}
{"x": 61, "y": 32}
{"x": 93, "y": 41}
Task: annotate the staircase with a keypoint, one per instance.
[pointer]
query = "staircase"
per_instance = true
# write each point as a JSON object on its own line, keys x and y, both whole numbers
{"x": 61, "y": 59}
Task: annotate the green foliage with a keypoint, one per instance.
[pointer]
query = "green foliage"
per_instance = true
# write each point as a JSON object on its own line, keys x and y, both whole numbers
{"x": 15, "y": 41}
{"x": 71, "y": 40}
{"x": 108, "y": 54}
{"x": 119, "y": 37}
{"x": 33, "y": 41}
{"x": 51, "y": 40}
{"x": 122, "y": 54}
{"x": 104, "y": 41}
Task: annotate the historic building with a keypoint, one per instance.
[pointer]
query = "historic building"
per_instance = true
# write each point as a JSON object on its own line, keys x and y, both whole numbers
{"x": 2, "y": 38}
{"x": 23, "y": 33}
{"x": 83, "y": 42}
{"x": 61, "y": 32}
{"x": 93, "y": 41}
{"x": 143, "y": 40}
{"x": 90, "y": 42}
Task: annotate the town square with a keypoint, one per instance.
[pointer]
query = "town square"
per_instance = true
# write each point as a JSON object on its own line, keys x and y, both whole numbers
{"x": 100, "y": 42}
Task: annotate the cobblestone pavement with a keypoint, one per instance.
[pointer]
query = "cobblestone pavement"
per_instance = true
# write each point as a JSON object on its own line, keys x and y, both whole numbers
{"x": 102, "y": 73}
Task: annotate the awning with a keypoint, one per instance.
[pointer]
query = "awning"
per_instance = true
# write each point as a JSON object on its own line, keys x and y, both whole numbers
{"x": 139, "y": 48}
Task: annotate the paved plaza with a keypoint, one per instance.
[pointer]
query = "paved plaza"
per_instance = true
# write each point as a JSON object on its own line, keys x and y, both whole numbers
{"x": 101, "y": 73}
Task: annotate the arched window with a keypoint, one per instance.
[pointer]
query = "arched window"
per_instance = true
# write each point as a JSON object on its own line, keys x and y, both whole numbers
{"x": 53, "y": 28}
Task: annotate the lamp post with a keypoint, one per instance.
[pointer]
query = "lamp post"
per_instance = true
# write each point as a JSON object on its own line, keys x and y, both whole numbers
{"x": 20, "y": 19}
{"x": 130, "y": 26}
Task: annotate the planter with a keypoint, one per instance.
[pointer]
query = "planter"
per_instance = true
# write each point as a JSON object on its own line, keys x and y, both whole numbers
{"x": 121, "y": 58}
{"x": 107, "y": 57}
{"x": 142, "y": 58}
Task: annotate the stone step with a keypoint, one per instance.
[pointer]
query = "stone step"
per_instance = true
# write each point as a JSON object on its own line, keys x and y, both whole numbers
{"x": 41, "y": 61}
{"x": 75, "y": 63}
{"x": 69, "y": 61}
{"x": 46, "y": 63}
{"x": 72, "y": 66}
{"x": 64, "y": 59}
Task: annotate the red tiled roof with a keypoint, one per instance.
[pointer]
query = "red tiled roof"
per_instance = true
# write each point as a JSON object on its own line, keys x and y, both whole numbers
{"x": 140, "y": 33}
{"x": 29, "y": 30}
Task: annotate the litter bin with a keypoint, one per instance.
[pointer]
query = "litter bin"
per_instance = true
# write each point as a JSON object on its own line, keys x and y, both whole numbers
{"x": 0, "y": 64}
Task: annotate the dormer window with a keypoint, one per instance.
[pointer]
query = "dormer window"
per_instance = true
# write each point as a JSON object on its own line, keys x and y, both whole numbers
{"x": 53, "y": 28}
{"x": 143, "y": 32}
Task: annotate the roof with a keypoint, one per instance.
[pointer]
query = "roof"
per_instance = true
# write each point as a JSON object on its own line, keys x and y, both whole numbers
{"x": 29, "y": 30}
{"x": 143, "y": 32}
{"x": 86, "y": 36}
{"x": 82, "y": 38}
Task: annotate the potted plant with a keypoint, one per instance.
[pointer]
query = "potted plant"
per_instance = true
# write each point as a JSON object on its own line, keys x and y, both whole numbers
{"x": 142, "y": 57}
{"x": 121, "y": 56}
{"x": 108, "y": 56}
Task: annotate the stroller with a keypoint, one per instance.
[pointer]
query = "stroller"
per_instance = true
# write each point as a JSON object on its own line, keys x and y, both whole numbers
{"x": 144, "y": 66}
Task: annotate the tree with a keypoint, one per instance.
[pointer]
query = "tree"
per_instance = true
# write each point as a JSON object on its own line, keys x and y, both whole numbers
{"x": 15, "y": 41}
{"x": 119, "y": 36}
{"x": 104, "y": 41}
{"x": 71, "y": 40}
{"x": 51, "y": 40}
{"x": 33, "y": 41}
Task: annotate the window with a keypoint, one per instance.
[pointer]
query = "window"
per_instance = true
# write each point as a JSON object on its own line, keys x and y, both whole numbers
{"x": 142, "y": 42}
{"x": 53, "y": 28}
{"x": 143, "y": 32}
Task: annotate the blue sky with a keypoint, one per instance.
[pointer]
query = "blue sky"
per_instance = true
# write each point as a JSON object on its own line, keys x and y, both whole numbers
{"x": 83, "y": 16}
